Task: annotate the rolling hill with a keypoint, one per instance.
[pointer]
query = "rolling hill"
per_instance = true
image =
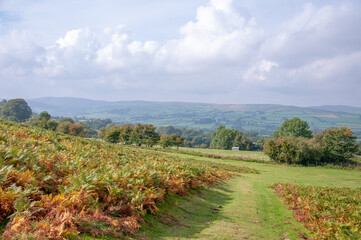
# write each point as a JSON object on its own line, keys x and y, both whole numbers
{"x": 263, "y": 118}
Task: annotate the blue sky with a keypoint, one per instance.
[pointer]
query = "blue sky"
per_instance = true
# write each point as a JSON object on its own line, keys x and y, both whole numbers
{"x": 221, "y": 51}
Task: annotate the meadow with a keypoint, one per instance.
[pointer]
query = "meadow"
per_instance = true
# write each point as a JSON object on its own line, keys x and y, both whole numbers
{"x": 251, "y": 208}
{"x": 245, "y": 155}
{"x": 54, "y": 186}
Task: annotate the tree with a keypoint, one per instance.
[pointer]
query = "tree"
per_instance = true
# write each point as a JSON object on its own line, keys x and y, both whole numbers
{"x": 176, "y": 140}
{"x": 63, "y": 127}
{"x": 71, "y": 129}
{"x": 171, "y": 140}
{"x": 295, "y": 127}
{"x": 150, "y": 135}
{"x": 144, "y": 134}
{"x": 125, "y": 133}
{"x": 66, "y": 119}
{"x": 338, "y": 144}
{"x": 137, "y": 135}
{"x": 76, "y": 130}
{"x": 112, "y": 134}
{"x": 44, "y": 116}
{"x": 292, "y": 150}
{"x": 165, "y": 141}
{"x": 223, "y": 138}
{"x": 51, "y": 125}
{"x": 2, "y": 103}
{"x": 16, "y": 110}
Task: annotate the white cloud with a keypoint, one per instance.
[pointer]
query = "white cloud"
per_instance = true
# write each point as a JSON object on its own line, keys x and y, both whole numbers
{"x": 259, "y": 71}
{"x": 70, "y": 38}
{"x": 218, "y": 36}
{"x": 315, "y": 33}
{"x": 223, "y": 52}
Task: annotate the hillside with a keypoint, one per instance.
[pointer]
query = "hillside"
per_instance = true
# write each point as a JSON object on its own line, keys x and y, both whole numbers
{"x": 56, "y": 186}
{"x": 263, "y": 118}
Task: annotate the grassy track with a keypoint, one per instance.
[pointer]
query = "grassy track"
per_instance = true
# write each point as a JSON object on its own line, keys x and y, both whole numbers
{"x": 250, "y": 209}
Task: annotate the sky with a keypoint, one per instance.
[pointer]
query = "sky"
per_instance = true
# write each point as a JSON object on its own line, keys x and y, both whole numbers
{"x": 290, "y": 52}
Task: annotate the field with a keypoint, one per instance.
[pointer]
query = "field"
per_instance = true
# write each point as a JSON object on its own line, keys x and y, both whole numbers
{"x": 56, "y": 186}
{"x": 246, "y": 155}
{"x": 250, "y": 207}
{"x": 262, "y": 118}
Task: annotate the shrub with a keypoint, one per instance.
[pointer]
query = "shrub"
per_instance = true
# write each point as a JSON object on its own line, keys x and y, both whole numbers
{"x": 292, "y": 150}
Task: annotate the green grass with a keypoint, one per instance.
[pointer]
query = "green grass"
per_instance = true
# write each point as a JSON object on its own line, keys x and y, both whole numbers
{"x": 250, "y": 208}
{"x": 256, "y": 155}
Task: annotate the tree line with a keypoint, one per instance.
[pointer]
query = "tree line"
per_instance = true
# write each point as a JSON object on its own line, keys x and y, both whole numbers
{"x": 294, "y": 143}
{"x": 139, "y": 134}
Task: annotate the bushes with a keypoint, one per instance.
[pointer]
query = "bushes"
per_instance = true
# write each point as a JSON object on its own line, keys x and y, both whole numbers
{"x": 140, "y": 134}
{"x": 292, "y": 150}
{"x": 338, "y": 144}
{"x": 335, "y": 145}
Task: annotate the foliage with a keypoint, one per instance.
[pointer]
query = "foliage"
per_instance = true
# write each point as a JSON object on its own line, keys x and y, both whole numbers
{"x": 262, "y": 118}
{"x": 96, "y": 123}
{"x": 293, "y": 150}
{"x": 329, "y": 212}
{"x": 44, "y": 116}
{"x": 52, "y": 185}
{"x": 171, "y": 140}
{"x": 192, "y": 137}
{"x": 73, "y": 129}
{"x": 295, "y": 127}
{"x": 44, "y": 121}
{"x": 16, "y": 110}
{"x": 113, "y": 134}
{"x": 224, "y": 138}
{"x": 2, "y": 103}
{"x": 66, "y": 119}
{"x": 338, "y": 144}
{"x": 140, "y": 134}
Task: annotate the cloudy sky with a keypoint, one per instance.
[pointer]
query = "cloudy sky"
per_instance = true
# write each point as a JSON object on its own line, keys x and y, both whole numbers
{"x": 290, "y": 52}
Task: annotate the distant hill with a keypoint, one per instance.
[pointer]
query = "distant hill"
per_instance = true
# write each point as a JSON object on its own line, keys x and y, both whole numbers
{"x": 263, "y": 118}
{"x": 339, "y": 108}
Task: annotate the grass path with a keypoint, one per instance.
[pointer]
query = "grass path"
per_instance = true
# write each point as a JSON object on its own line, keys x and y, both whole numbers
{"x": 250, "y": 209}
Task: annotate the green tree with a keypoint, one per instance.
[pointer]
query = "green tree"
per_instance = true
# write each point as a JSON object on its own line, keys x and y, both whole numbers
{"x": 137, "y": 135}
{"x": 165, "y": 141}
{"x": 76, "y": 130}
{"x": 295, "y": 127}
{"x": 171, "y": 140}
{"x": 178, "y": 140}
{"x": 51, "y": 125}
{"x": 44, "y": 116}
{"x": 16, "y": 110}
{"x": 144, "y": 134}
{"x": 66, "y": 119}
{"x": 112, "y": 134}
{"x": 126, "y": 133}
{"x": 63, "y": 127}
{"x": 338, "y": 144}
{"x": 223, "y": 138}
{"x": 292, "y": 150}
{"x": 151, "y": 137}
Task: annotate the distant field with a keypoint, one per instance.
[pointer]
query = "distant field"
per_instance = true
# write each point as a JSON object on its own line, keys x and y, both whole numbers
{"x": 262, "y": 118}
{"x": 253, "y": 155}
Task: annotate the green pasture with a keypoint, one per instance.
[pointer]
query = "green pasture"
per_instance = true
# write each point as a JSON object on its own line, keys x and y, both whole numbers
{"x": 250, "y": 209}
{"x": 255, "y": 155}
